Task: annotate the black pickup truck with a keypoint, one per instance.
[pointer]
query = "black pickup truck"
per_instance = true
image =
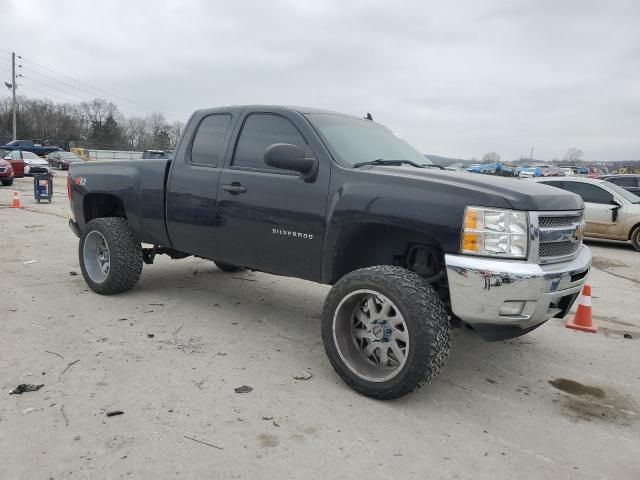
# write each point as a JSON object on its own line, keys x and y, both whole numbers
{"x": 408, "y": 247}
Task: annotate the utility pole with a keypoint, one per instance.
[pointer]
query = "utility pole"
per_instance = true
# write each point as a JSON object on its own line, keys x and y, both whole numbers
{"x": 13, "y": 88}
{"x": 531, "y": 157}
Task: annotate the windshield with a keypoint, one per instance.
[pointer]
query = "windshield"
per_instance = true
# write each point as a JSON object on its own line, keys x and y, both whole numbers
{"x": 68, "y": 156}
{"x": 352, "y": 140}
{"x": 626, "y": 194}
{"x": 30, "y": 156}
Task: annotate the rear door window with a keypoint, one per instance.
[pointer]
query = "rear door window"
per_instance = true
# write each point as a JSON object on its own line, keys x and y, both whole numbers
{"x": 589, "y": 193}
{"x": 208, "y": 144}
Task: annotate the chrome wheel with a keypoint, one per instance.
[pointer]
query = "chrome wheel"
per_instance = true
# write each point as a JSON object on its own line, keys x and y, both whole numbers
{"x": 96, "y": 256}
{"x": 371, "y": 335}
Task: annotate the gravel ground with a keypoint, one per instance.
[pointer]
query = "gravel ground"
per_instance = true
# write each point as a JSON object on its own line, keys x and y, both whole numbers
{"x": 553, "y": 404}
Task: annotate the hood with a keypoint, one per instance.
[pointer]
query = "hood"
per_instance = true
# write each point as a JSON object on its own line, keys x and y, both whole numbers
{"x": 33, "y": 161}
{"x": 520, "y": 194}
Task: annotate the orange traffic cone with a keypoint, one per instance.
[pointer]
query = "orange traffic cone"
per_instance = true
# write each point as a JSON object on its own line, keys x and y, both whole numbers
{"x": 582, "y": 320}
{"x": 16, "y": 201}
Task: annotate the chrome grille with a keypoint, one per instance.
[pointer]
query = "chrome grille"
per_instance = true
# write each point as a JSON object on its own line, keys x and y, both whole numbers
{"x": 558, "y": 235}
{"x": 550, "y": 222}
{"x": 559, "y": 249}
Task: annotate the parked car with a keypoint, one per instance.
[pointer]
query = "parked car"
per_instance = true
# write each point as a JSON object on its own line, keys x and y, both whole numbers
{"x": 610, "y": 211}
{"x": 29, "y": 146}
{"x": 61, "y": 160}
{"x": 629, "y": 182}
{"x": 6, "y": 173}
{"x": 553, "y": 172}
{"x": 342, "y": 201}
{"x": 32, "y": 163}
{"x": 17, "y": 163}
{"x": 528, "y": 172}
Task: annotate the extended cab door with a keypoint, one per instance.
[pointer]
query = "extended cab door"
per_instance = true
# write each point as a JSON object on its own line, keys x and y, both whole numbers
{"x": 270, "y": 219}
{"x": 192, "y": 186}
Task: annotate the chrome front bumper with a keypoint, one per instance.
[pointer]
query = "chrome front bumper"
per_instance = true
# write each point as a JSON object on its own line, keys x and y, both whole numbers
{"x": 479, "y": 288}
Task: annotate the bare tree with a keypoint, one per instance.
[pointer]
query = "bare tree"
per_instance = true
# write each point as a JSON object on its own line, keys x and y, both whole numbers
{"x": 175, "y": 130}
{"x": 136, "y": 133}
{"x": 491, "y": 157}
{"x": 94, "y": 124}
{"x": 573, "y": 155}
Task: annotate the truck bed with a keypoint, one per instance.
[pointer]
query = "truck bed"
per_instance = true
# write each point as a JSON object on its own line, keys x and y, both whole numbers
{"x": 139, "y": 184}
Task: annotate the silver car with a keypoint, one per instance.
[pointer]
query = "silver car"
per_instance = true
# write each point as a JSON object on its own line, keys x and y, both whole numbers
{"x": 610, "y": 211}
{"x": 33, "y": 164}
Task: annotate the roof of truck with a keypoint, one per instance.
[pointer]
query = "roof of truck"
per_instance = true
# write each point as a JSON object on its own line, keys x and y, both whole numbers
{"x": 294, "y": 108}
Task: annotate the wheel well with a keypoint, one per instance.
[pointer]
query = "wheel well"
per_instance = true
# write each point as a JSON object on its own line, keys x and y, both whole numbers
{"x": 98, "y": 205}
{"x": 367, "y": 245}
{"x": 632, "y": 229}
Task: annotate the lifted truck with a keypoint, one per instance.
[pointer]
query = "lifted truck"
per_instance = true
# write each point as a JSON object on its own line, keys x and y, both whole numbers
{"x": 342, "y": 201}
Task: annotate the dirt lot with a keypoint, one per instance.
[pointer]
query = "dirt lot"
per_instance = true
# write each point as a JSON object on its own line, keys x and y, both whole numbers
{"x": 553, "y": 404}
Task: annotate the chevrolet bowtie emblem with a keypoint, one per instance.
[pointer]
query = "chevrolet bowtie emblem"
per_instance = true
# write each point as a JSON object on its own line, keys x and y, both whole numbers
{"x": 578, "y": 233}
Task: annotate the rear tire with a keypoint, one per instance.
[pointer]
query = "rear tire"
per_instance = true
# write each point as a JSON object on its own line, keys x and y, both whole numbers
{"x": 635, "y": 238}
{"x": 385, "y": 331}
{"x": 7, "y": 183}
{"x": 110, "y": 256}
{"x": 226, "y": 267}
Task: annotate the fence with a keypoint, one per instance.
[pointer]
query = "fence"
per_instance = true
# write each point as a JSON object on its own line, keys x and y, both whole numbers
{"x": 114, "y": 155}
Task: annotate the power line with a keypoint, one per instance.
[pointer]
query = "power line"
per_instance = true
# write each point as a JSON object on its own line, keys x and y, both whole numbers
{"x": 92, "y": 94}
{"x": 63, "y": 92}
{"x": 143, "y": 110}
{"x": 48, "y": 94}
{"x": 88, "y": 85}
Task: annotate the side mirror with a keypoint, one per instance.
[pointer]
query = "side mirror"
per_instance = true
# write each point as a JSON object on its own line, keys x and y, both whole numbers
{"x": 614, "y": 210}
{"x": 290, "y": 157}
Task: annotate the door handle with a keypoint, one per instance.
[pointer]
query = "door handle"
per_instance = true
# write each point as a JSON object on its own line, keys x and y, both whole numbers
{"x": 235, "y": 187}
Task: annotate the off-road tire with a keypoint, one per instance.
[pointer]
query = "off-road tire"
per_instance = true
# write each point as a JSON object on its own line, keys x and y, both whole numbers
{"x": 125, "y": 255}
{"x": 7, "y": 183}
{"x": 226, "y": 267}
{"x": 635, "y": 238}
{"x": 425, "y": 316}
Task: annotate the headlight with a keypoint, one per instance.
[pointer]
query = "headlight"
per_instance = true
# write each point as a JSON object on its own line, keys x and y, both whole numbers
{"x": 494, "y": 232}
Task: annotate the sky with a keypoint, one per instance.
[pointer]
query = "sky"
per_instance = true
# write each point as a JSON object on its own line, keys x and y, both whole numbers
{"x": 456, "y": 78}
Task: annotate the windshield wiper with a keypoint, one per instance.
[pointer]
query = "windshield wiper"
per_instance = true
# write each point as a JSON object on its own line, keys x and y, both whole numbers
{"x": 381, "y": 161}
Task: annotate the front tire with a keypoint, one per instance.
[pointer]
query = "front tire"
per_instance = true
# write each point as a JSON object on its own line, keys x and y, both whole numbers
{"x": 7, "y": 183}
{"x": 385, "y": 331}
{"x": 635, "y": 238}
{"x": 110, "y": 256}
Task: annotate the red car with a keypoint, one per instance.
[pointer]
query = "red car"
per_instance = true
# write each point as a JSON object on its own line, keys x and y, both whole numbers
{"x": 6, "y": 173}
{"x": 17, "y": 162}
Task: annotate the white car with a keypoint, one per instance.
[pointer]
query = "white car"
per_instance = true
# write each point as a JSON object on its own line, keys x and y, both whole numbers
{"x": 610, "y": 211}
{"x": 33, "y": 164}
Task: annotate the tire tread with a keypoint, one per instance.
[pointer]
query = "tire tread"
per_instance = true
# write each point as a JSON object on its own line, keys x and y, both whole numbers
{"x": 125, "y": 255}
{"x": 419, "y": 300}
